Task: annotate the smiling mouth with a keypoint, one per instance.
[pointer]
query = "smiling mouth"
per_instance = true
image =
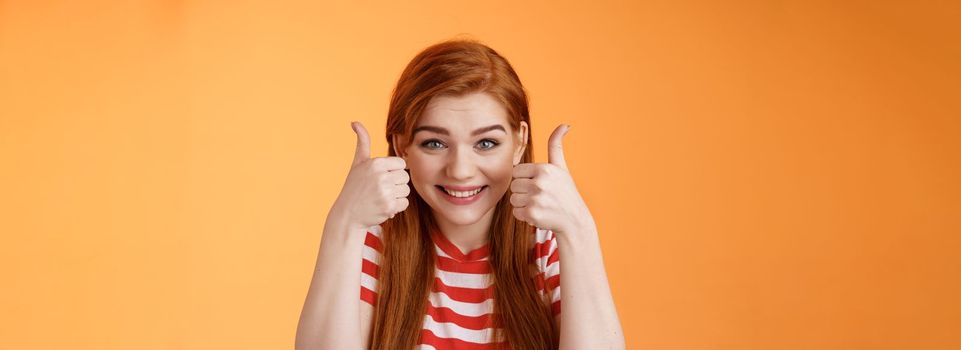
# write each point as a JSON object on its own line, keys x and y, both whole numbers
{"x": 461, "y": 194}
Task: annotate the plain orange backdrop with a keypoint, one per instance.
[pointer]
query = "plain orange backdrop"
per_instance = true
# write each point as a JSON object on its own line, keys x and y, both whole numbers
{"x": 764, "y": 174}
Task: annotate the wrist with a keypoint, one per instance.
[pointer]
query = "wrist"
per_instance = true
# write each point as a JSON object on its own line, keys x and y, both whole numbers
{"x": 578, "y": 225}
{"x": 339, "y": 223}
{"x": 579, "y": 231}
{"x": 341, "y": 214}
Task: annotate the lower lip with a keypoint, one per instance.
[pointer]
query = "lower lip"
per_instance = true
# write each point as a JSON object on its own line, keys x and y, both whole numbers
{"x": 465, "y": 200}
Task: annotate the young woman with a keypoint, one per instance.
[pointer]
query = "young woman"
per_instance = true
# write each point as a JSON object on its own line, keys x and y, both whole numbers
{"x": 457, "y": 261}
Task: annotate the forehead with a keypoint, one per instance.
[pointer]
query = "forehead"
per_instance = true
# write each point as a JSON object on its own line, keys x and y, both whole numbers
{"x": 464, "y": 113}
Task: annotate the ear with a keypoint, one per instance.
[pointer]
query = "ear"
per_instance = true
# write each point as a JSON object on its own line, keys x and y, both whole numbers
{"x": 400, "y": 152}
{"x": 522, "y": 133}
{"x": 397, "y": 150}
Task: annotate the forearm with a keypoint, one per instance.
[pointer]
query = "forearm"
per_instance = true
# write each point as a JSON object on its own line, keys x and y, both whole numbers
{"x": 330, "y": 318}
{"x": 588, "y": 315}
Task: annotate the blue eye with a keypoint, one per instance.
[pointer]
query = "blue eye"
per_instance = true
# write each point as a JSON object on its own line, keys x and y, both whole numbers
{"x": 489, "y": 141}
{"x": 430, "y": 144}
{"x": 426, "y": 143}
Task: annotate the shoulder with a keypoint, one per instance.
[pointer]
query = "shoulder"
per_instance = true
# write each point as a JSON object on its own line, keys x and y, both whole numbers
{"x": 544, "y": 242}
{"x": 545, "y": 248}
{"x": 373, "y": 247}
{"x": 370, "y": 267}
{"x": 374, "y": 238}
{"x": 542, "y": 235}
{"x": 376, "y": 230}
{"x": 548, "y": 264}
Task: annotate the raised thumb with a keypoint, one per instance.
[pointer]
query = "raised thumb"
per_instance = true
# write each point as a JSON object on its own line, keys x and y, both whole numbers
{"x": 362, "y": 152}
{"x": 555, "y": 150}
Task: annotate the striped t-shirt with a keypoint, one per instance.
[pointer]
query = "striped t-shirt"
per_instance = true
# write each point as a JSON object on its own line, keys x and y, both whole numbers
{"x": 461, "y": 301}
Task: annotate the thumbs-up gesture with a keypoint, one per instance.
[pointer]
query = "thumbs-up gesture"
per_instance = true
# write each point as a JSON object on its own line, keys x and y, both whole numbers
{"x": 544, "y": 195}
{"x": 376, "y": 188}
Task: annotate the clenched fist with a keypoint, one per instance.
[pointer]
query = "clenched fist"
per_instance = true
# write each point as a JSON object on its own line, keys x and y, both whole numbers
{"x": 544, "y": 195}
{"x": 376, "y": 188}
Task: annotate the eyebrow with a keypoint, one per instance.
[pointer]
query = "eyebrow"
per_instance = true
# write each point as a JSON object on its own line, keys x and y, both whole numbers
{"x": 443, "y": 131}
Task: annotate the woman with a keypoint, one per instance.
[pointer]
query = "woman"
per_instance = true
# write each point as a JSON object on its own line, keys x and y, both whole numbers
{"x": 437, "y": 261}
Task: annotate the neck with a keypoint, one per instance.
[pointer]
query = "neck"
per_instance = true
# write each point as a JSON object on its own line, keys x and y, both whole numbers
{"x": 466, "y": 237}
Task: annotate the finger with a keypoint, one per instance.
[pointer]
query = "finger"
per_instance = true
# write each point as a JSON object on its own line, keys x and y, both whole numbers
{"x": 524, "y": 170}
{"x": 402, "y": 204}
{"x": 555, "y": 151}
{"x": 362, "y": 152}
{"x": 520, "y": 200}
{"x": 401, "y": 191}
{"x": 399, "y": 177}
{"x": 389, "y": 164}
{"x": 520, "y": 214}
{"x": 523, "y": 186}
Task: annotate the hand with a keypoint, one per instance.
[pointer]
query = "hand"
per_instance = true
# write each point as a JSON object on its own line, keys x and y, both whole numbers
{"x": 544, "y": 195}
{"x": 376, "y": 189}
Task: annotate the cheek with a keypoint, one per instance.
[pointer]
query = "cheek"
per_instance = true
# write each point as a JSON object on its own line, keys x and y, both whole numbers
{"x": 423, "y": 172}
{"x": 501, "y": 172}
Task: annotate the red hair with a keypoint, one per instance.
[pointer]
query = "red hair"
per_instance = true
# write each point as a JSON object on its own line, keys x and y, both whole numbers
{"x": 522, "y": 313}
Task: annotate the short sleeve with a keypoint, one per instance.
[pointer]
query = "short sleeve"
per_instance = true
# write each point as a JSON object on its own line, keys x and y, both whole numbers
{"x": 548, "y": 264}
{"x": 370, "y": 268}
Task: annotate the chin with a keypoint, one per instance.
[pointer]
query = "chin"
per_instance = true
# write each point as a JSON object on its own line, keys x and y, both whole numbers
{"x": 461, "y": 216}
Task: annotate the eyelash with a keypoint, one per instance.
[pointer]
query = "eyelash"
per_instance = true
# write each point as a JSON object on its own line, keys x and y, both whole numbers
{"x": 493, "y": 142}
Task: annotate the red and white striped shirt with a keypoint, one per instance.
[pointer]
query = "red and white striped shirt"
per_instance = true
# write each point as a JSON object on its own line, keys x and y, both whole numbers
{"x": 461, "y": 300}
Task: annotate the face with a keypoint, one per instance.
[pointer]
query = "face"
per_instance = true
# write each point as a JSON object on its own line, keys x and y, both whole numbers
{"x": 460, "y": 145}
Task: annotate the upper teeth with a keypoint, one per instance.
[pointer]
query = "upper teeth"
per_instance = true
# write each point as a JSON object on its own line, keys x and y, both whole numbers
{"x": 463, "y": 194}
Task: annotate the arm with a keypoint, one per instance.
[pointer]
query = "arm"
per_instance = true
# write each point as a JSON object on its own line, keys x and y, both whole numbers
{"x": 544, "y": 195}
{"x": 588, "y": 317}
{"x": 375, "y": 190}
{"x": 331, "y": 315}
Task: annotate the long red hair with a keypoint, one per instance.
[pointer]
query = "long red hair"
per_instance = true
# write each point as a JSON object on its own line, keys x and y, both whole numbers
{"x": 522, "y": 313}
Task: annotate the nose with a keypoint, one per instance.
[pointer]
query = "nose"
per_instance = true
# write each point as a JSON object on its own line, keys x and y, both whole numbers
{"x": 461, "y": 164}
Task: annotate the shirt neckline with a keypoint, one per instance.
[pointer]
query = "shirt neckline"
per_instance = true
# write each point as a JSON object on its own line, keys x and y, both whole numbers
{"x": 451, "y": 250}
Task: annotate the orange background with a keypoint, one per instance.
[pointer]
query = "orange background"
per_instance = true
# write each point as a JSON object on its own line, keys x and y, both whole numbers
{"x": 765, "y": 175}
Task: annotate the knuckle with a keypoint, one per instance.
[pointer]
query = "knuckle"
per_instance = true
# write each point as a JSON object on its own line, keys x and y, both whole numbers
{"x": 538, "y": 185}
{"x": 548, "y": 169}
{"x": 533, "y": 213}
{"x": 383, "y": 193}
{"x": 382, "y": 199}
{"x": 375, "y": 164}
{"x": 381, "y": 164}
{"x": 521, "y": 185}
{"x": 531, "y": 201}
{"x": 395, "y": 162}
